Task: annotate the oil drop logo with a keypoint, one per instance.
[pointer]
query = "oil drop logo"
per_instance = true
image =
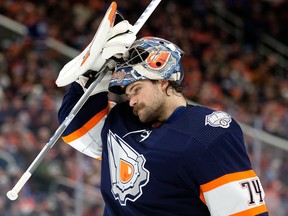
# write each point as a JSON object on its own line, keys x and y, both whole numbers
{"x": 127, "y": 170}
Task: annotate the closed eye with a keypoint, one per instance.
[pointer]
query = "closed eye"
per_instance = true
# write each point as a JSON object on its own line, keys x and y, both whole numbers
{"x": 136, "y": 90}
{"x": 133, "y": 91}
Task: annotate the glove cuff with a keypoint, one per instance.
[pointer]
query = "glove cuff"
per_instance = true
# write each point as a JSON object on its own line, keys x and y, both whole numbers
{"x": 101, "y": 87}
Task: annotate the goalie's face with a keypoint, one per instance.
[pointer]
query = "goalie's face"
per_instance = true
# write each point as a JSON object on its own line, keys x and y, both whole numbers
{"x": 148, "y": 100}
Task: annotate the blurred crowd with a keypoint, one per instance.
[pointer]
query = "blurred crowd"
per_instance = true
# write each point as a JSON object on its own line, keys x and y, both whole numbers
{"x": 220, "y": 72}
{"x": 266, "y": 16}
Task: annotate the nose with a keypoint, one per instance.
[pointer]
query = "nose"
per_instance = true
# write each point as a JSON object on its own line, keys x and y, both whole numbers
{"x": 133, "y": 101}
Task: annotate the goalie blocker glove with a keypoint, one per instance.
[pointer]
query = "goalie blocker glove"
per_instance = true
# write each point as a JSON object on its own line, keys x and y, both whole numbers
{"x": 119, "y": 39}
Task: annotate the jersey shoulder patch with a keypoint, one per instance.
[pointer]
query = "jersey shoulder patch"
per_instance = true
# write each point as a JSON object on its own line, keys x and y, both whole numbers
{"x": 218, "y": 119}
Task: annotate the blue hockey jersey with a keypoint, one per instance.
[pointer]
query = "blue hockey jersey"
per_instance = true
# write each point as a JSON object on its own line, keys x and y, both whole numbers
{"x": 195, "y": 163}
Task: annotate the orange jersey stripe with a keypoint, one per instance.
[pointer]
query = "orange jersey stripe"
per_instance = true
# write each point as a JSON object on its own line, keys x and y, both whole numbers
{"x": 253, "y": 211}
{"x": 86, "y": 127}
{"x": 226, "y": 179}
{"x": 202, "y": 198}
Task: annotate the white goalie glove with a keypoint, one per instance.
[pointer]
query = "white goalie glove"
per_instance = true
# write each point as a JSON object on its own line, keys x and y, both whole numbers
{"x": 120, "y": 40}
{"x": 101, "y": 87}
{"x": 107, "y": 42}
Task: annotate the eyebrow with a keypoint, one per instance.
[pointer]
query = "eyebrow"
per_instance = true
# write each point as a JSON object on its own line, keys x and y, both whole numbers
{"x": 131, "y": 89}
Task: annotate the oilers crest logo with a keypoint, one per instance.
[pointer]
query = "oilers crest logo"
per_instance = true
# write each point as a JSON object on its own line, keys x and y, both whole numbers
{"x": 218, "y": 119}
{"x": 127, "y": 171}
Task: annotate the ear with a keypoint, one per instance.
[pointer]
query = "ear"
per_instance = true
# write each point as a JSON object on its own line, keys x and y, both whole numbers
{"x": 163, "y": 84}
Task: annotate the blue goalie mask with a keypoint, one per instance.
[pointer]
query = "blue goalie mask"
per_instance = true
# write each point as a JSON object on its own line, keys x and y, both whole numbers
{"x": 148, "y": 58}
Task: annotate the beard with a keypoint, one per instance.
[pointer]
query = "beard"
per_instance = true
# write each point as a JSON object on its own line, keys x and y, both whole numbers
{"x": 147, "y": 113}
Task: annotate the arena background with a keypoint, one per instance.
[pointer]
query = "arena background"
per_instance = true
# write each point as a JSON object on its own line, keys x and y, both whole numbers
{"x": 235, "y": 60}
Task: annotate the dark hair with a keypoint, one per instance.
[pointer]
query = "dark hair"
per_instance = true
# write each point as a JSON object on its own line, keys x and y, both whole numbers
{"x": 178, "y": 87}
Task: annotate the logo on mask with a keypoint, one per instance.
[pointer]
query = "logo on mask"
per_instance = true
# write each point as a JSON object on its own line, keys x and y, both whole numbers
{"x": 158, "y": 60}
{"x": 118, "y": 75}
{"x": 127, "y": 171}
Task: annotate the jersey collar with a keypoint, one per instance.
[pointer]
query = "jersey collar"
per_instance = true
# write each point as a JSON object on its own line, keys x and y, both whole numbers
{"x": 172, "y": 117}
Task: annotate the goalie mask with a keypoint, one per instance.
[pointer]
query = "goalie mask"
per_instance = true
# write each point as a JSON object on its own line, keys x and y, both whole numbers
{"x": 148, "y": 58}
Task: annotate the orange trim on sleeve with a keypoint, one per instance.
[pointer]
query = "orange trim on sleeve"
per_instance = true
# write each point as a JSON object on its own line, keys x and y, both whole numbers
{"x": 253, "y": 211}
{"x": 86, "y": 127}
{"x": 226, "y": 179}
{"x": 202, "y": 198}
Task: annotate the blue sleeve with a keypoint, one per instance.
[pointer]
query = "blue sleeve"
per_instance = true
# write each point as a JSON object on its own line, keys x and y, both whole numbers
{"x": 92, "y": 106}
{"x": 225, "y": 180}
